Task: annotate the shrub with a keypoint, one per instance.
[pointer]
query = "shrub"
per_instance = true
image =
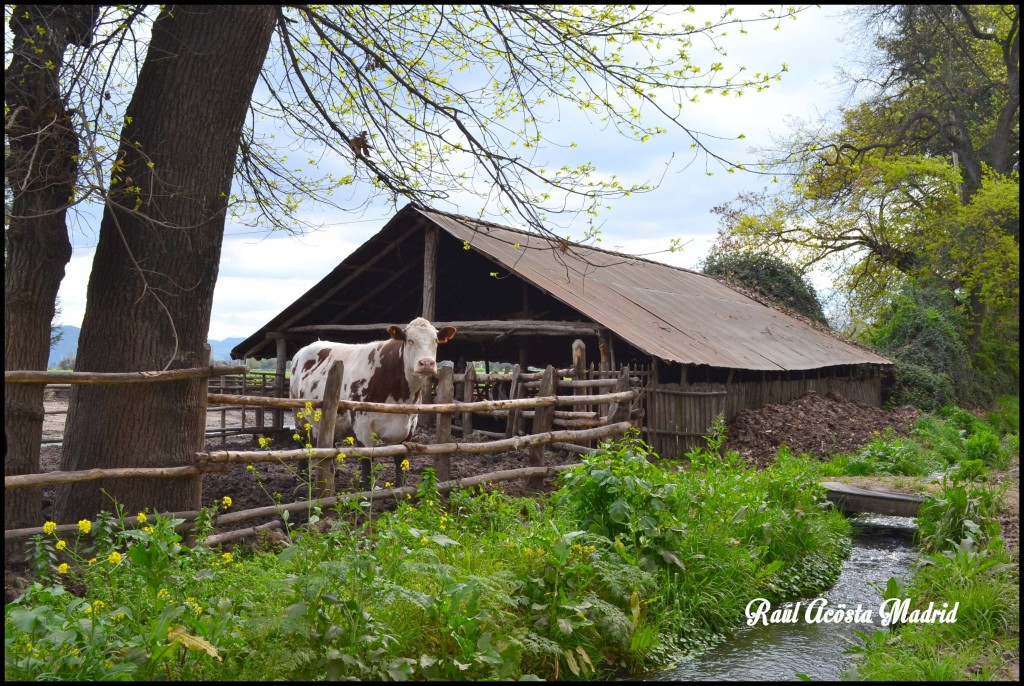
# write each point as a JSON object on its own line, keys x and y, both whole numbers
{"x": 769, "y": 276}
{"x": 921, "y": 333}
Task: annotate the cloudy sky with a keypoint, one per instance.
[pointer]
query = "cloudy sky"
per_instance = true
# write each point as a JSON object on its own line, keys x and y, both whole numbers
{"x": 260, "y": 274}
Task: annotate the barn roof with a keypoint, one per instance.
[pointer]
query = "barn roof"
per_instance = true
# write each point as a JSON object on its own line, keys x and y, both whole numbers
{"x": 674, "y": 314}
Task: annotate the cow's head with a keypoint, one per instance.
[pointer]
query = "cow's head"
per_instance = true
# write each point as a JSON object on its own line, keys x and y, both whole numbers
{"x": 421, "y": 339}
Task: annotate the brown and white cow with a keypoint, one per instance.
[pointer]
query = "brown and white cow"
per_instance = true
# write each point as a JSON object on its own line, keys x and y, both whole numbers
{"x": 392, "y": 371}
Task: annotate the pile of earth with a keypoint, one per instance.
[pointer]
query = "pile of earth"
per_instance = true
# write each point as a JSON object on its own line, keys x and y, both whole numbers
{"x": 820, "y": 425}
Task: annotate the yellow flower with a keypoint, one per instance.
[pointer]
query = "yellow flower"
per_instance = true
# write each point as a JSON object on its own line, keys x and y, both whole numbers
{"x": 309, "y": 407}
{"x": 114, "y": 558}
{"x": 228, "y": 557}
{"x": 61, "y": 544}
{"x": 141, "y": 518}
{"x": 387, "y": 484}
{"x": 63, "y": 568}
{"x": 85, "y": 526}
{"x": 405, "y": 465}
{"x": 226, "y": 501}
{"x": 148, "y": 530}
{"x": 264, "y": 441}
{"x": 250, "y": 468}
{"x": 317, "y": 415}
{"x": 92, "y": 561}
{"x": 163, "y": 593}
{"x": 296, "y": 437}
{"x": 49, "y": 527}
{"x": 307, "y": 427}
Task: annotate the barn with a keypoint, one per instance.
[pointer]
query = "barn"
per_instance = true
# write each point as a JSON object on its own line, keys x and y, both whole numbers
{"x": 701, "y": 346}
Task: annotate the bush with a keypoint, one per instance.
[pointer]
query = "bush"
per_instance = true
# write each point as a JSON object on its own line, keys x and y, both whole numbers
{"x": 921, "y": 333}
{"x": 769, "y": 276}
{"x": 920, "y": 386}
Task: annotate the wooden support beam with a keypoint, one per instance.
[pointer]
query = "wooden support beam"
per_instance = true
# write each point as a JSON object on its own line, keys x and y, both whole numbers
{"x": 515, "y": 392}
{"x": 477, "y": 328}
{"x": 430, "y": 273}
{"x": 323, "y": 477}
{"x": 542, "y": 422}
{"x": 445, "y": 394}
{"x": 468, "y": 384}
{"x": 280, "y": 388}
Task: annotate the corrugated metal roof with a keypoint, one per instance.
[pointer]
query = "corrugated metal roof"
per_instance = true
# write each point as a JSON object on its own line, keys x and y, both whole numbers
{"x": 674, "y": 314}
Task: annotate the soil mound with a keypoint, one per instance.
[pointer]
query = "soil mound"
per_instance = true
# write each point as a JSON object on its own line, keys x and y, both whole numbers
{"x": 819, "y": 425}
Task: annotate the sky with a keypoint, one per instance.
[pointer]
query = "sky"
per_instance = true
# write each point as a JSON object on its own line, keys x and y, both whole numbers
{"x": 262, "y": 273}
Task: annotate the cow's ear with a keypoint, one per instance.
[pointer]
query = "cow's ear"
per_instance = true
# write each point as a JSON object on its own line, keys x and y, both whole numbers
{"x": 446, "y": 334}
{"x": 396, "y": 332}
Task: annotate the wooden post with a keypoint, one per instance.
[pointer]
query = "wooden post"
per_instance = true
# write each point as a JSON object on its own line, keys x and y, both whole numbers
{"x": 618, "y": 411}
{"x": 427, "y": 420}
{"x": 516, "y": 391}
{"x": 542, "y": 421}
{"x": 280, "y": 388}
{"x": 579, "y": 372}
{"x": 468, "y": 385}
{"x": 203, "y": 403}
{"x": 445, "y": 394}
{"x": 323, "y": 474}
{"x": 651, "y": 411}
{"x": 430, "y": 272}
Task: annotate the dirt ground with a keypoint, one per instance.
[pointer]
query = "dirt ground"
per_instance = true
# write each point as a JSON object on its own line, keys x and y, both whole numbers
{"x": 812, "y": 423}
{"x": 815, "y": 424}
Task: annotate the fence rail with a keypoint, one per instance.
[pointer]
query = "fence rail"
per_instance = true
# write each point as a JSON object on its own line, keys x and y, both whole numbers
{"x": 612, "y": 417}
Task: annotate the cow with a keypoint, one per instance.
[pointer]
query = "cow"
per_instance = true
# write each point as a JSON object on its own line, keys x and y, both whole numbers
{"x": 393, "y": 371}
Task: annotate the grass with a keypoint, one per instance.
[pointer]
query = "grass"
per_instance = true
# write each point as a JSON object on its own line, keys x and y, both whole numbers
{"x": 961, "y": 556}
{"x": 631, "y": 564}
{"x": 627, "y": 566}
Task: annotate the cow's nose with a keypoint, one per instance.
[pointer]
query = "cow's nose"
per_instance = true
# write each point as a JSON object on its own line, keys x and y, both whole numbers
{"x": 426, "y": 366}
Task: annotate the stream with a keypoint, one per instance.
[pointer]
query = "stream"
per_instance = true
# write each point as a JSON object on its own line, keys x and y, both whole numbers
{"x": 882, "y": 547}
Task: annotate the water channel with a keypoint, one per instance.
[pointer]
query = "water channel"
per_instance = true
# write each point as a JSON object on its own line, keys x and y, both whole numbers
{"x": 882, "y": 547}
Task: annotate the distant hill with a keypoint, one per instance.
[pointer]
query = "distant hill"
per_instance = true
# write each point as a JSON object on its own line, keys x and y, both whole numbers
{"x": 221, "y": 350}
{"x": 68, "y": 345}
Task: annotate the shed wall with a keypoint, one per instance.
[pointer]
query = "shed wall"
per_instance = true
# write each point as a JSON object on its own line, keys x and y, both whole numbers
{"x": 678, "y": 415}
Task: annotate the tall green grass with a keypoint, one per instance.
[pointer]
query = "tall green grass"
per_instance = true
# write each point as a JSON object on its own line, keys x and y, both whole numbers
{"x": 628, "y": 565}
{"x": 962, "y": 559}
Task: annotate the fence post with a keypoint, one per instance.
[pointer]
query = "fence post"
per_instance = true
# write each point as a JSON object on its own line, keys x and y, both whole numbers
{"x": 323, "y": 483}
{"x": 542, "y": 421}
{"x": 203, "y": 403}
{"x": 618, "y": 411}
{"x": 579, "y": 372}
{"x": 445, "y": 394}
{"x": 280, "y": 388}
{"x": 468, "y": 386}
{"x": 515, "y": 391}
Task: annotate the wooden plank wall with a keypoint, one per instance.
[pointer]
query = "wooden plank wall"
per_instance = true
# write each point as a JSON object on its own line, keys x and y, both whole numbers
{"x": 679, "y": 415}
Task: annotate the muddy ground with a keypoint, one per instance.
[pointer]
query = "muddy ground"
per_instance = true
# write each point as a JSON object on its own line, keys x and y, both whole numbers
{"x": 812, "y": 423}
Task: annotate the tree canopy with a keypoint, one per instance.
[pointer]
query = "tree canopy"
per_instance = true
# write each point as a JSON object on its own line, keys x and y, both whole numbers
{"x": 917, "y": 184}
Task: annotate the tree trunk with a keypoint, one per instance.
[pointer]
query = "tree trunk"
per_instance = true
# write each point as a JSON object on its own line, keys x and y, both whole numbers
{"x": 150, "y": 292}
{"x": 41, "y": 172}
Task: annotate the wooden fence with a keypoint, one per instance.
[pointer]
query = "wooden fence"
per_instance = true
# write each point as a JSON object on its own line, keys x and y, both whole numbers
{"x": 603, "y": 415}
